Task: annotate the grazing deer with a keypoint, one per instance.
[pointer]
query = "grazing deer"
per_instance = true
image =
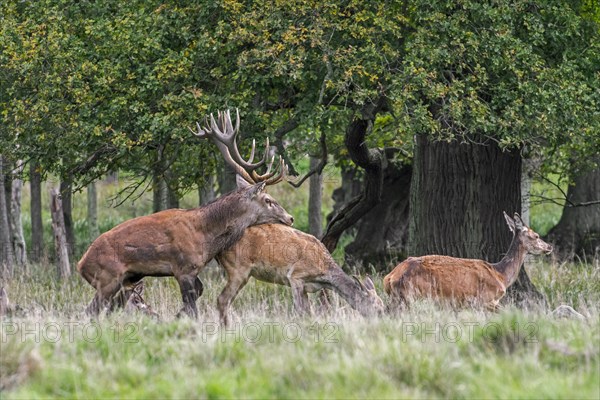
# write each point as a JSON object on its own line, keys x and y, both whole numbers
{"x": 465, "y": 280}
{"x": 180, "y": 242}
{"x": 286, "y": 256}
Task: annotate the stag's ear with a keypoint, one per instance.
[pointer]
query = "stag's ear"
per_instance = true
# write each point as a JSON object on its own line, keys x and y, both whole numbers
{"x": 255, "y": 190}
{"x": 510, "y": 222}
{"x": 368, "y": 284}
{"x": 241, "y": 182}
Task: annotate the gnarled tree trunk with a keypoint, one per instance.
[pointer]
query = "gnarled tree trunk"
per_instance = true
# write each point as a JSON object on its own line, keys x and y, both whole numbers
{"x": 37, "y": 227}
{"x": 315, "y": 191}
{"x": 382, "y": 234}
{"x": 66, "y": 194}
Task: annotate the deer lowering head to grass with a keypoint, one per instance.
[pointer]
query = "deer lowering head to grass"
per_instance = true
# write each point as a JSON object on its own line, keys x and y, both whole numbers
{"x": 180, "y": 242}
{"x": 286, "y": 256}
{"x": 465, "y": 281}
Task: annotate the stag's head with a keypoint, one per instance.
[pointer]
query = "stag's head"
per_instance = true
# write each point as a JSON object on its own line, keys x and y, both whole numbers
{"x": 367, "y": 302}
{"x": 530, "y": 240}
{"x": 251, "y": 185}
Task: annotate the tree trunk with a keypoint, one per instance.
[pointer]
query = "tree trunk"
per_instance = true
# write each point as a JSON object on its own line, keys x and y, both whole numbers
{"x": 92, "y": 211}
{"x": 18, "y": 239}
{"x": 315, "y": 193}
{"x": 172, "y": 195}
{"x": 206, "y": 191}
{"x": 159, "y": 193}
{"x": 37, "y": 227}
{"x": 382, "y": 234}
{"x": 60, "y": 238}
{"x": 7, "y": 260}
{"x": 458, "y": 194}
{"x": 578, "y": 231}
{"x": 66, "y": 194}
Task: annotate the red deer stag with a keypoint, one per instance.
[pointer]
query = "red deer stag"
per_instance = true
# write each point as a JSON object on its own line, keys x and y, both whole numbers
{"x": 180, "y": 242}
{"x": 286, "y": 256}
{"x": 465, "y": 281}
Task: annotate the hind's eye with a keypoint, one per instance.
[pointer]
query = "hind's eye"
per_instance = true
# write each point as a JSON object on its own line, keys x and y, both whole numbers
{"x": 268, "y": 202}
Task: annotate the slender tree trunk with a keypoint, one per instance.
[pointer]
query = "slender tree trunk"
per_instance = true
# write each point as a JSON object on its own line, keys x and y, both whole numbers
{"x": 206, "y": 191}
{"x": 92, "y": 211}
{"x": 66, "y": 194}
{"x": 7, "y": 260}
{"x": 18, "y": 239}
{"x": 37, "y": 228}
{"x": 60, "y": 238}
{"x": 315, "y": 193}
{"x": 578, "y": 231}
{"x": 382, "y": 234}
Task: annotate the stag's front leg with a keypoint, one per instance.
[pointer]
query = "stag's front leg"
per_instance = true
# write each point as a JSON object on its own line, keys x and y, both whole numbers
{"x": 191, "y": 289}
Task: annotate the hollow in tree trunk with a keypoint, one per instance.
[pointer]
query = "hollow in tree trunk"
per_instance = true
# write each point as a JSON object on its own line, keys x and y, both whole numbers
{"x": 458, "y": 194}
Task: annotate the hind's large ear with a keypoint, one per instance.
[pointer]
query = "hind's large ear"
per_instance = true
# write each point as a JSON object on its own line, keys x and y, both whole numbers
{"x": 510, "y": 222}
{"x": 519, "y": 222}
{"x": 255, "y": 190}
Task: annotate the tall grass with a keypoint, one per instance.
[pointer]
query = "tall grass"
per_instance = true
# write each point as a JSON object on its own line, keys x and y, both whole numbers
{"x": 51, "y": 349}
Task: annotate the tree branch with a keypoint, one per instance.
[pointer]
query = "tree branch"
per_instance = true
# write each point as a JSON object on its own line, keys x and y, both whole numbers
{"x": 318, "y": 168}
{"x": 287, "y": 127}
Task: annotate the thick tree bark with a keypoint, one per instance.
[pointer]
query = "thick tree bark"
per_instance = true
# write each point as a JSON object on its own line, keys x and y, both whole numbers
{"x": 159, "y": 193}
{"x": 66, "y": 194}
{"x": 315, "y": 193}
{"x": 37, "y": 228}
{"x": 16, "y": 226}
{"x": 578, "y": 231}
{"x": 61, "y": 246}
{"x": 382, "y": 234}
{"x": 92, "y": 211}
{"x": 458, "y": 194}
{"x": 7, "y": 260}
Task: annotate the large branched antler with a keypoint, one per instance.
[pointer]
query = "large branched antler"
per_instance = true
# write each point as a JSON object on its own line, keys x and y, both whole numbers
{"x": 222, "y": 132}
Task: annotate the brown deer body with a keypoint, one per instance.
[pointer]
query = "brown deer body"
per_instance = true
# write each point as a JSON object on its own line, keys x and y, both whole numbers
{"x": 279, "y": 254}
{"x": 179, "y": 242}
{"x": 465, "y": 281}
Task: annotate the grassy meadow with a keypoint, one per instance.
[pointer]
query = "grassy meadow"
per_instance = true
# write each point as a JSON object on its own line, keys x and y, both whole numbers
{"x": 51, "y": 349}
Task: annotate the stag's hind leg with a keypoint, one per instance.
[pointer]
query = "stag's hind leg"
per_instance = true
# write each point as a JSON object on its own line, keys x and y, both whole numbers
{"x": 235, "y": 282}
